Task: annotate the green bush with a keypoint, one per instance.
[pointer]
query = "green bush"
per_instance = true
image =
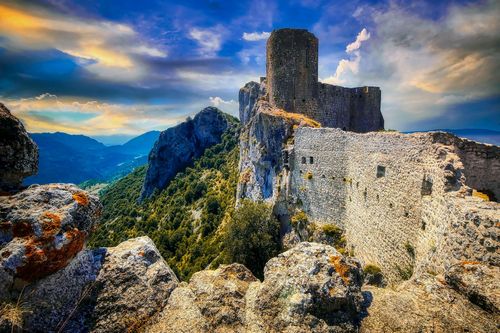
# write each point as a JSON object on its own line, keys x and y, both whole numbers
{"x": 252, "y": 236}
{"x": 372, "y": 269}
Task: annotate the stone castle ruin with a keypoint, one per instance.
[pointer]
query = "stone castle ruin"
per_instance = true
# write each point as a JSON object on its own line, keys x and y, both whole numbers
{"x": 408, "y": 203}
{"x": 291, "y": 84}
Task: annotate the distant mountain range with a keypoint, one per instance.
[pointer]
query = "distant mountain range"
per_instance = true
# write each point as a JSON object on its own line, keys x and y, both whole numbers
{"x": 70, "y": 158}
{"x": 479, "y": 135}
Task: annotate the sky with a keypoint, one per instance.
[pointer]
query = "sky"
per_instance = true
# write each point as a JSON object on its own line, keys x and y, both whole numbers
{"x": 126, "y": 66}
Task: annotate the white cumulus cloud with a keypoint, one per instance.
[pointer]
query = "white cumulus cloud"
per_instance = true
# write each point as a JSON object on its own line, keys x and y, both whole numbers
{"x": 256, "y": 36}
{"x": 209, "y": 40}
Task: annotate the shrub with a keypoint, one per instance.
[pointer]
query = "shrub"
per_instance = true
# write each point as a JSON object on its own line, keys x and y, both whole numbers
{"x": 410, "y": 249}
{"x": 309, "y": 175}
{"x": 252, "y": 236}
{"x": 372, "y": 269}
{"x": 405, "y": 272}
{"x": 332, "y": 230}
{"x": 299, "y": 219}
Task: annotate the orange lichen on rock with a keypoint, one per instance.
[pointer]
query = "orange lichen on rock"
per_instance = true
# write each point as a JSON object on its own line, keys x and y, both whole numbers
{"x": 82, "y": 198}
{"x": 341, "y": 268}
{"x": 51, "y": 224}
{"x": 469, "y": 262}
{"x": 42, "y": 258}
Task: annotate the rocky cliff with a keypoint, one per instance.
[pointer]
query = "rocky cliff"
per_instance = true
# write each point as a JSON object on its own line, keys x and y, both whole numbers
{"x": 178, "y": 146}
{"x": 18, "y": 153}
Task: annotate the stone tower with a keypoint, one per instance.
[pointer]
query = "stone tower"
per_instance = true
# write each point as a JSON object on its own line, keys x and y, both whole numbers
{"x": 292, "y": 71}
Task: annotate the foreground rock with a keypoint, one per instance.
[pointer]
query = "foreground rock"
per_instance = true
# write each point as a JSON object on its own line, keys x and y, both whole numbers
{"x": 310, "y": 288}
{"x": 478, "y": 282}
{"x": 104, "y": 290}
{"x": 213, "y": 301}
{"x": 178, "y": 146}
{"x": 425, "y": 304}
{"x": 41, "y": 229}
{"x": 18, "y": 153}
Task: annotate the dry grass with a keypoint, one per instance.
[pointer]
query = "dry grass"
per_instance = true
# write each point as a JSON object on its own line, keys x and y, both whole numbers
{"x": 13, "y": 313}
{"x": 297, "y": 118}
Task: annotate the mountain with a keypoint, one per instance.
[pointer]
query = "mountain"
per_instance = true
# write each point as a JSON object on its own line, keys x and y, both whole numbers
{"x": 77, "y": 158}
{"x": 140, "y": 145}
{"x": 178, "y": 146}
{"x": 184, "y": 218}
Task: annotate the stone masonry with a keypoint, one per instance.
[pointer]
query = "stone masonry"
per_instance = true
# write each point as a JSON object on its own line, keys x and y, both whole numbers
{"x": 404, "y": 201}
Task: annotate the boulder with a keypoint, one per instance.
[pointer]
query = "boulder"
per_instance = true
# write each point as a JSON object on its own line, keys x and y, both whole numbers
{"x": 113, "y": 289}
{"x": 41, "y": 229}
{"x": 213, "y": 301}
{"x": 478, "y": 282}
{"x": 424, "y": 304}
{"x": 178, "y": 146}
{"x": 18, "y": 153}
{"x": 309, "y": 288}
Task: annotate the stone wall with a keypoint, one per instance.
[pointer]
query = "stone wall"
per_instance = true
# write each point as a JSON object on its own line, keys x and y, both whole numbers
{"x": 395, "y": 195}
{"x": 353, "y": 109}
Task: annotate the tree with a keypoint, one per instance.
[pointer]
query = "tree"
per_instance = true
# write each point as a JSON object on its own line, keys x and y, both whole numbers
{"x": 252, "y": 236}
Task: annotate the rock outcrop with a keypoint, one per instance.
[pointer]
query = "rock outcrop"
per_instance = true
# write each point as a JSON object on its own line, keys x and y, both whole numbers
{"x": 310, "y": 288}
{"x": 41, "y": 229}
{"x": 213, "y": 301}
{"x": 424, "y": 304}
{"x": 113, "y": 289}
{"x": 178, "y": 146}
{"x": 18, "y": 153}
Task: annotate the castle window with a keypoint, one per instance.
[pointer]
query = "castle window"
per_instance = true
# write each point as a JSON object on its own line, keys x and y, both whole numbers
{"x": 380, "y": 171}
{"x": 303, "y": 101}
{"x": 311, "y": 160}
{"x": 304, "y": 160}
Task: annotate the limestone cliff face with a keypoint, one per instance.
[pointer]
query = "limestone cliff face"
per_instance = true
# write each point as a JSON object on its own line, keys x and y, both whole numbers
{"x": 18, "y": 153}
{"x": 178, "y": 146}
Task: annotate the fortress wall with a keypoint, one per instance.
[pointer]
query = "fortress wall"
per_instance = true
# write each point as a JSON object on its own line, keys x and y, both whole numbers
{"x": 457, "y": 230}
{"x": 481, "y": 163}
{"x": 334, "y": 106}
{"x": 365, "y": 112}
{"x": 386, "y": 213}
{"x": 352, "y": 109}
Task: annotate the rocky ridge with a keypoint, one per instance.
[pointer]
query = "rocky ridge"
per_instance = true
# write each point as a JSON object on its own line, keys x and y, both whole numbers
{"x": 178, "y": 146}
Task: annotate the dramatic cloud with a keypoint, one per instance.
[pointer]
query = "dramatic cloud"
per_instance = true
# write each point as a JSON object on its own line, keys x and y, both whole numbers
{"x": 256, "y": 36}
{"x": 48, "y": 113}
{"x": 230, "y": 106}
{"x": 364, "y": 35}
{"x": 104, "y": 48}
{"x": 426, "y": 66}
{"x": 349, "y": 66}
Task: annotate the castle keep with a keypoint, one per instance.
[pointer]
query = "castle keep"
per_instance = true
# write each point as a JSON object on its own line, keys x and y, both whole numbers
{"x": 291, "y": 84}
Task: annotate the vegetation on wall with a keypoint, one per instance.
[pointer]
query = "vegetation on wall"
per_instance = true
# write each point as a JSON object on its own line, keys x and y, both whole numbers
{"x": 184, "y": 219}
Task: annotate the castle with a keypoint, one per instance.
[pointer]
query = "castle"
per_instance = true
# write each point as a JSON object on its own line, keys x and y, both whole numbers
{"x": 404, "y": 201}
{"x": 291, "y": 84}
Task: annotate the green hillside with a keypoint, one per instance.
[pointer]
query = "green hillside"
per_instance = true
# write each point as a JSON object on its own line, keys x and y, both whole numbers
{"x": 183, "y": 220}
